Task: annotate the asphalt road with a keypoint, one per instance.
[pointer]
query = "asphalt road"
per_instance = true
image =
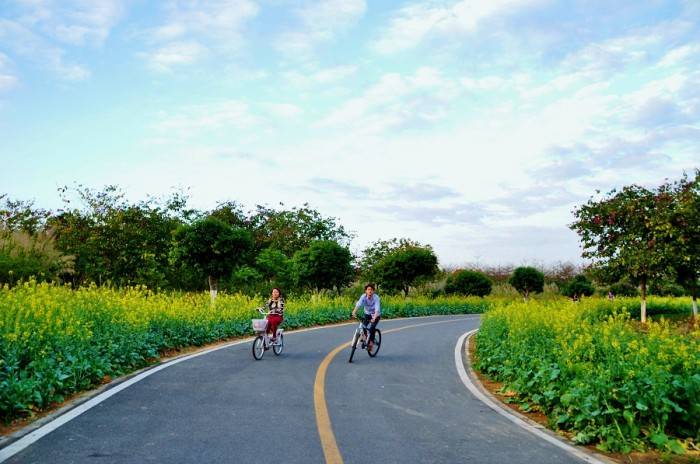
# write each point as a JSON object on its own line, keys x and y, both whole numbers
{"x": 406, "y": 405}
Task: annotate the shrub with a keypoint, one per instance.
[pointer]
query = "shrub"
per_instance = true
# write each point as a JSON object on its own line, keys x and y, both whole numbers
{"x": 624, "y": 288}
{"x": 527, "y": 280}
{"x": 666, "y": 289}
{"x": 467, "y": 282}
{"x": 579, "y": 286}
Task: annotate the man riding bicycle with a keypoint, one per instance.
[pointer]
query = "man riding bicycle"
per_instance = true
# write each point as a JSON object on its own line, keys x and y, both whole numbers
{"x": 372, "y": 311}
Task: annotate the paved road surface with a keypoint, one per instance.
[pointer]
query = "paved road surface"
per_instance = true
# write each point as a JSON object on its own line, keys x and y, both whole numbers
{"x": 407, "y": 405}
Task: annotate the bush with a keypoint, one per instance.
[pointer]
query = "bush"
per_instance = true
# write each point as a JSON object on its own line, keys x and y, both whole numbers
{"x": 527, "y": 280}
{"x": 24, "y": 255}
{"x": 624, "y": 288}
{"x": 594, "y": 373}
{"x": 579, "y": 286}
{"x": 467, "y": 282}
{"x": 666, "y": 289}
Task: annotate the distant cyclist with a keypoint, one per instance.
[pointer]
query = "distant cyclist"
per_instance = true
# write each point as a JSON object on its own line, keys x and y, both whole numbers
{"x": 372, "y": 311}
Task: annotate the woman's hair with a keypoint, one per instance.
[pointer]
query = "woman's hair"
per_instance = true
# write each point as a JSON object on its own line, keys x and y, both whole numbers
{"x": 276, "y": 288}
{"x": 370, "y": 286}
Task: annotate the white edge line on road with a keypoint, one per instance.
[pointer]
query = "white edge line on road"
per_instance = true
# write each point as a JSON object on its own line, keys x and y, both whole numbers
{"x": 27, "y": 440}
{"x": 467, "y": 381}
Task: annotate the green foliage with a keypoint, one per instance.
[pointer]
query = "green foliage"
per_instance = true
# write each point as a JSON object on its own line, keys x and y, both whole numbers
{"x": 593, "y": 373}
{"x": 292, "y": 230}
{"x": 22, "y": 216}
{"x": 665, "y": 288}
{"x": 527, "y": 280}
{"x": 627, "y": 232}
{"x": 381, "y": 248}
{"x": 405, "y": 267}
{"x": 324, "y": 265}
{"x": 466, "y": 282}
{"x": 211, "y": 246}
{"x": 684, "y": 235}
{"x": 275, "y": 266}
{"x": 624, "y": 288}
{"x": 24, "y": 255}
{"x": 115, "y": 241}
{"x": 578, "y": 286}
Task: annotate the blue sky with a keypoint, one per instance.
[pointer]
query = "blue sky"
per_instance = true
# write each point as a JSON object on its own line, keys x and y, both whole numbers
{"x": 475, "y": 126}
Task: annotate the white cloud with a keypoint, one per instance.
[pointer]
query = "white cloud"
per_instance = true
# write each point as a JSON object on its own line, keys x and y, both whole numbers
{"x": 321, "y": 21}
{"x": 284, "y": 110}
{"x": 22, "y": 41}
{"x": 488, "y": 83}
{"x": 193, "y": 29}
{"x": 680, "y": 55}
{"x": 174, "y": 54}
{"x": 321, "y": 76}
{"x": 396, "y": 101}
{"x": 7, "y": 78}
{"x": 417, "y": 22}
{"x": 75, "y": 22}
{"x": 197, "y": 119}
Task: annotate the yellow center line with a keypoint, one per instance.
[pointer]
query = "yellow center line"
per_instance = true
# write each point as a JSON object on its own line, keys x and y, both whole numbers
{"x": 323, "y": 419}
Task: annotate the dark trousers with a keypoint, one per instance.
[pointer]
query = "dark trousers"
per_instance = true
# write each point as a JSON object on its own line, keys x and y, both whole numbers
{"x": 373, "y": 327}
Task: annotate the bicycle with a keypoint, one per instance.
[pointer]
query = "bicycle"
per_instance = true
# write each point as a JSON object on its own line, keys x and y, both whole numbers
{"x": 262, "y": 341}
{"x": 360, "y": 335}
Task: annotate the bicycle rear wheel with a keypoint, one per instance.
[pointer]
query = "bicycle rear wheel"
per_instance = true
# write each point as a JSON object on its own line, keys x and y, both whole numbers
{"x": 258, "y": 347}
{"x": 353, "y": 346}
{"x": 279, "y": 345}
{"x": 377, "y": 343}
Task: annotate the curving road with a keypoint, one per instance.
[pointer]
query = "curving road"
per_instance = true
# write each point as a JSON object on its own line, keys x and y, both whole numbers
{"x": 406, "y": 405}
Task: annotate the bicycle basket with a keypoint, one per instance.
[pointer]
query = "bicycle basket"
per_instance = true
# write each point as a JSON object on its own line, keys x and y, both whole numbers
{"x": 260, "y": 325}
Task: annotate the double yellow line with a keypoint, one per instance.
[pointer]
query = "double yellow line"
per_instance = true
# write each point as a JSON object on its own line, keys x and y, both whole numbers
{"x": 323, "y": 419}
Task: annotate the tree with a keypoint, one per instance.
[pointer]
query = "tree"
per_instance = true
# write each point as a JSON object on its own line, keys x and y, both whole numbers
{"x": 325, "y": 264}
{"x": 114, "y": 240}
{"x": 580, "y": 285}
{"x": 22, "y": 216}
{"x": 213, "y": 247}
{"x": 527, "y": 280}
{"x": 685, "y": 235}
{"x": 466, "y": 282}
{"x": 404, "y": 267}
{"x": 626, "y": 231}
{"x": 274, "y": 266}
{"x": 379, "y": 249}
{"x": 291, "y": 230}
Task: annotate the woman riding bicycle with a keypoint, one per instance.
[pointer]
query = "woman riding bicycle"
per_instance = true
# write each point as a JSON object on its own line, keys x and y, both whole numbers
{"x": 369, "y": 301}
{"x": 275, "y": 305}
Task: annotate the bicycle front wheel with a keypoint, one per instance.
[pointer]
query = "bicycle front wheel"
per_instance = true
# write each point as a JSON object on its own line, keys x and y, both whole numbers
{"x": 353, "y": 345}
{"x": 278, "y": 346}
{"x": 377, "y": 343}
{"x": 258, "y": 347}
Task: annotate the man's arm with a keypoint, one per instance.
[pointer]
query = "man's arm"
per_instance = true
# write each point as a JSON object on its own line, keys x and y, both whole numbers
{"x": 357, "y": 305}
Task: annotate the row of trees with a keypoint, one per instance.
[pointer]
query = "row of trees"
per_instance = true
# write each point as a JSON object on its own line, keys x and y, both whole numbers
{"x": 645, "y": 235}
{"x": 101, "y": 237}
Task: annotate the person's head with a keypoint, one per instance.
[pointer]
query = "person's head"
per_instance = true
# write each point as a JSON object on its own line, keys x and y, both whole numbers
{"x": 369, "y": 289}
{"x": 276, "y": 293}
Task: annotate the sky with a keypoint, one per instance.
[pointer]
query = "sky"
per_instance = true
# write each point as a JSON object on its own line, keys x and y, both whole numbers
{"x": 473, "y": 126}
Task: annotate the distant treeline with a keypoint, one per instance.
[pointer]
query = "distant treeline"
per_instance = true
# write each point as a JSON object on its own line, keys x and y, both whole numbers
{"x": 639, "y": 240}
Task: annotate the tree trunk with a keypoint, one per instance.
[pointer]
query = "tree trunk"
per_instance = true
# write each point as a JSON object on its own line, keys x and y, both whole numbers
{"x": 695, "y": 306}
{"x": 526, "y": 295}
{"x": 644, "y": 301}
{"x": 405, "y": 291}
{"x": 213, "y": 287}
